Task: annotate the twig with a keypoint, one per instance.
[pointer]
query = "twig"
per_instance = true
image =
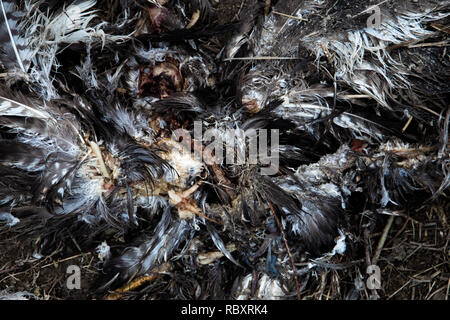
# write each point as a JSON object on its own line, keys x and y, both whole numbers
{"x": 370, "y": 8}
{"x": 323, "y": 279}
{"x": 327, "y": 297}
{"x": 46, "y": 265}
{"x": 432, "y": 44}
{"x": 354, "y": 96}
{"x": 429, "y": 110}
{"x": 262, "y": 58}
{"x": 444, "y": 142}
{"x": 426, "y": 270}
{"x": 236, "y": 16}
{"x": 448, "y": 289}
{"x": 430, "y": 295}
{"x": 400, "y": 289}
{"x": 441, "y": 28}
{"x": 287, "y": 249}
{"x": 66, "y": 259}
{"x": 399, "y": 232}
{"x": 8, "y": 270}
{"x": 382, "y": 240}
{"x": 429, "y": 290}
{"x": 407, "y": 124}
{"x": 289, "y": 16}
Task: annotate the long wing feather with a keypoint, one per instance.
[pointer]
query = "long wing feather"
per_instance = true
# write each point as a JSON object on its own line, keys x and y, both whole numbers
{"x": 154, "y": 250}
{"x": 10, "y": 107}
{"x": 15, "y": 50}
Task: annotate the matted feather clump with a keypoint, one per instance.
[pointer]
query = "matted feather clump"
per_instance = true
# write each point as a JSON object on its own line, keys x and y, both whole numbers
{"x": 172, "y": 152}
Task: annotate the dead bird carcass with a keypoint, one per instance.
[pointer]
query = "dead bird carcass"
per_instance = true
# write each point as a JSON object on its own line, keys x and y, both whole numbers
{"x": 117, "y": 125}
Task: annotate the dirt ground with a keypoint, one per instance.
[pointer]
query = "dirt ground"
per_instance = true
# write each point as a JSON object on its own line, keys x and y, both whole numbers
{"x": 413, "y": 261}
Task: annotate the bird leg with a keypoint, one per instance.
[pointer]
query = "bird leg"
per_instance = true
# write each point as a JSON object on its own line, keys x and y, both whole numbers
{"x": 186, "y": 206}
{"x": 136, "y": 283}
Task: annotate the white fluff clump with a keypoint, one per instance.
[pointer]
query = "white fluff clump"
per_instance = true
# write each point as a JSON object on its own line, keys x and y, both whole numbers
{"x": 340, "y": 246}
{"x": 49, "y": 34}
{"x": 267, "y": 288}
{"x": 361, "y": 57}
{"x": 103, "y": 251}
{"x": 8, "y": 219}
{"x": 22, "y": 295}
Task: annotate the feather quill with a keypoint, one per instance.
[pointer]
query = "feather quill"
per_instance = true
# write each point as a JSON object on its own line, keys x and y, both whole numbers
{"x": 9, "y": 107}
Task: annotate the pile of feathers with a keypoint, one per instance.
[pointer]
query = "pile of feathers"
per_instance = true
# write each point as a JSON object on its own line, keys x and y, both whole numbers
{"x": 106, "y": 110}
